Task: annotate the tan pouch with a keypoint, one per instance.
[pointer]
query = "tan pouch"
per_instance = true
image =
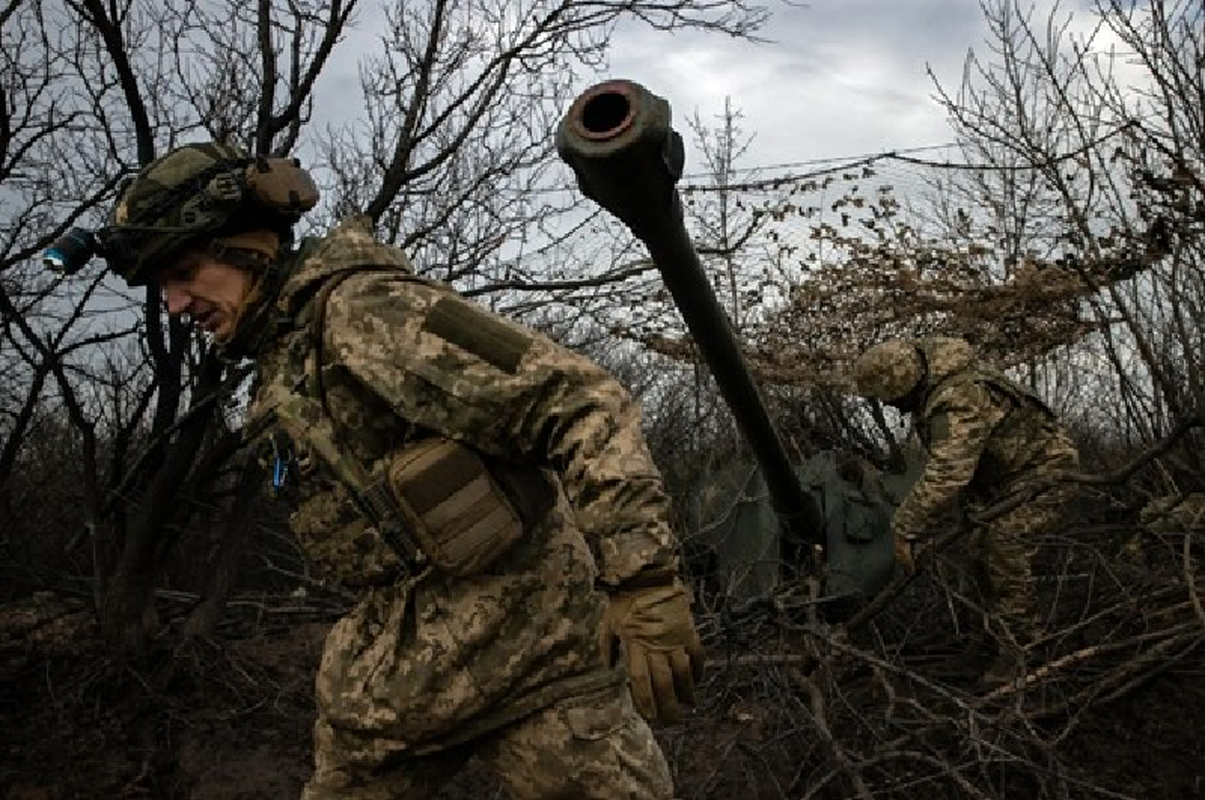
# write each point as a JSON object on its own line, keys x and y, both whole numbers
{"x": 453, "y": 507}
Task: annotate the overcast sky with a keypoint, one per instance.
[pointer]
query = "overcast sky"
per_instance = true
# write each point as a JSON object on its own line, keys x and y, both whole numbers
{"x": 840, "y": 78}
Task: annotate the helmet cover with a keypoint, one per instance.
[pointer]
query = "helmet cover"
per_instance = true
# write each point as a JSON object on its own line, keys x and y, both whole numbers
{"x": 888, "y": 370}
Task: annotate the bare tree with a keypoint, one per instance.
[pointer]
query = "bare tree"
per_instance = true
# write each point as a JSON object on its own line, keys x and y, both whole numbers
{"x": 459, "y": 105}
{"x": 1099, "y": 126}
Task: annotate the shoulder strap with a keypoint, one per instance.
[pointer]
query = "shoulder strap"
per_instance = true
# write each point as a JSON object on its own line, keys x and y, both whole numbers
{"x": 317, "y": 327}
{"x": 317, "y": 332}
{"x": 1020, "y": 395}
{"x": 316, "y": 425}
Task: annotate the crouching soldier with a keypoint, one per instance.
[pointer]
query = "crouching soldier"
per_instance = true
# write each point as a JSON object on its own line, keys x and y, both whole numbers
{"x": 986, "y": 439}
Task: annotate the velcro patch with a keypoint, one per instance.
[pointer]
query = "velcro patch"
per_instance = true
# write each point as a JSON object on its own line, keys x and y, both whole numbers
{"x": 476, "y": 331}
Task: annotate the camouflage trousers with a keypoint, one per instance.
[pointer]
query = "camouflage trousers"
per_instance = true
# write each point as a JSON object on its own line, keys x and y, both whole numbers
{"x": 591, "y": 747}
{"x": 1002, "y": 551}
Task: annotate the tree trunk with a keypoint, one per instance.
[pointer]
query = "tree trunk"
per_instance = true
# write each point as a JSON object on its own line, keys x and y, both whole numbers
{"x": 237, "y": 531}
{"x": 126, "y": 614}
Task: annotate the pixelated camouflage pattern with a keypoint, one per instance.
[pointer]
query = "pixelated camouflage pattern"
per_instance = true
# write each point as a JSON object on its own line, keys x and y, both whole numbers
{"x": 591, "y": 747}
{"x": 424, "y": 661}
{"x": 1002, "y": 550}
{"x": 986, "y": 437}
{"x": 888, "y": 370}
{"x": 339, "y": 540}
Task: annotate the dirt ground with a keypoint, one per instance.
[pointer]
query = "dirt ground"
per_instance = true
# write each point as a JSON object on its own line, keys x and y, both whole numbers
{"x": 232, "y": 722}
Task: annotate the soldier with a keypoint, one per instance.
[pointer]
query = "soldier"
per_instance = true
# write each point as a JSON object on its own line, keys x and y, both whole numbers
{"x": 987, "y": 438}
{"x": 487, "y": 492}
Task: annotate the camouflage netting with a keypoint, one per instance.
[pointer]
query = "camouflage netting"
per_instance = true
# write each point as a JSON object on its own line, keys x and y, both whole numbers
{"x": 810, "y": 281}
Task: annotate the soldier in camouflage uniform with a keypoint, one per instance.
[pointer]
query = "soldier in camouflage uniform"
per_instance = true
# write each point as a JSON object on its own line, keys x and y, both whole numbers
{"x": 987, "y": 438}
{"x": 487, "y": 492}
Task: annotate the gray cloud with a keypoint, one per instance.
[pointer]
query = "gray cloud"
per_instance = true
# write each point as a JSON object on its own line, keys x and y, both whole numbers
{"x": 837, "y": 78}
{"x": 840, "y": 77}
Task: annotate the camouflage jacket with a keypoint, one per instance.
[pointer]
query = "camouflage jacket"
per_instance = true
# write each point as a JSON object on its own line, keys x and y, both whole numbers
{"x": 426, "y": 660}
{"x": 983, "y": 433}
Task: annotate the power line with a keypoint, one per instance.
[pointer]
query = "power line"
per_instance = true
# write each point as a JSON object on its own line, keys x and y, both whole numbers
{"x": 821, "y": 167}
{"x": 830, "y": 166}
{"x": 835, "y": 162}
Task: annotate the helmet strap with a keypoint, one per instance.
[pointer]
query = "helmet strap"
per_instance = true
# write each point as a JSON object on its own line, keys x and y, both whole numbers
{"x": 924, "y": 363}
{"x": 257, "y": 321}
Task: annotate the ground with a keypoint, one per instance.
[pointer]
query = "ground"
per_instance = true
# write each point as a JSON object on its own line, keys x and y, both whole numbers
{"x": 231, "y": 721}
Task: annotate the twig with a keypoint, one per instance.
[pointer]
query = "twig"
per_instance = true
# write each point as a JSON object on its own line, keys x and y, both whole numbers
{"x": 888, "y": 593}
{"x": 203, "y": 404}
{"x": 820, "y": 721}
{"x": 1086, "y": 654}
{"x": 1014, "y": 501}
{"x": 1190, "y": 576}
{"x": 887, "y": 666}
{"x": 782, "y": 659}
{"x": 1117, "y": 476}
{"x": 285, "y": 604}
{"x": 949, "y": 769}
{"x": 1129, "y": 675}
{"x": 1160, "y": 665}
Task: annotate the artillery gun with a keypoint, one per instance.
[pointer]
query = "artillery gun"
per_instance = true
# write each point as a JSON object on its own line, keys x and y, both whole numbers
{"x": 618, "y": 139}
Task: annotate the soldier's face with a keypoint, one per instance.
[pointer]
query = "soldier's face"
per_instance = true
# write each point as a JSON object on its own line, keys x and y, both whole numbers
{"x": 209, "y": 291}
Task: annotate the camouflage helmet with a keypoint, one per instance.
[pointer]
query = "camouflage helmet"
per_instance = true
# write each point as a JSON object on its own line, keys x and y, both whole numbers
{"x": 889, "y": 370}
{"x": 194, "y": 193}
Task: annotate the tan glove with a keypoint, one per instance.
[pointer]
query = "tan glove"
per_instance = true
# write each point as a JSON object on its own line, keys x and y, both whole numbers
{"x": 661, "y": 647}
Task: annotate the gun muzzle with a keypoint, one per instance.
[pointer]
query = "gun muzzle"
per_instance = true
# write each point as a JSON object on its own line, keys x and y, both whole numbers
{"x": 627, "y": 158}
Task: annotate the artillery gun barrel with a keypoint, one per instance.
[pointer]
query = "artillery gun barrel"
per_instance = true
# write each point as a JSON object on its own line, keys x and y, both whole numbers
{"x": 617, "y": 138}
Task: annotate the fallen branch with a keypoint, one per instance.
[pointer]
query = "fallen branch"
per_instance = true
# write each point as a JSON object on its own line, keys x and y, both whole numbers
{"x": 845, "y": 765}
{"x": 1127, "y": 676}
{"x": 1190, "y": 577}
{"x": 1064, "y": 663}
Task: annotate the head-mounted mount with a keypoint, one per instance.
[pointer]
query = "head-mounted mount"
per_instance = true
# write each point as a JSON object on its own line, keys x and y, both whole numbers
{"x": 193, "y": 192}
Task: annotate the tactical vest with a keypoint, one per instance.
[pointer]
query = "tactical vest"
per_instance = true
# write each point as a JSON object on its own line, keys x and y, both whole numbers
{"x": 997, "y": 467}
{"x": 366, "y": 525}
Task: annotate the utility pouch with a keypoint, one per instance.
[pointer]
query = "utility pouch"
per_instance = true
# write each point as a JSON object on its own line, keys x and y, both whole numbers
{"x": 453, "y": 507}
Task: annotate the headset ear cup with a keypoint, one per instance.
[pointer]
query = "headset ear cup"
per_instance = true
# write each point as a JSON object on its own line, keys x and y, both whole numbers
{"x": 282, "y": 185}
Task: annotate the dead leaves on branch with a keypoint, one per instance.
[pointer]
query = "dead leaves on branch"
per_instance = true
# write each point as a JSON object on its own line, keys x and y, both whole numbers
{"x": 884, "y": 290}
{"x": 833, "y": 262}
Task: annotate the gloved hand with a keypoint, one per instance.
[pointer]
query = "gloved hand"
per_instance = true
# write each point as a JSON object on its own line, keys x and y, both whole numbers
{"x": 903, "y": 554}
{"x": 661, "y": 647}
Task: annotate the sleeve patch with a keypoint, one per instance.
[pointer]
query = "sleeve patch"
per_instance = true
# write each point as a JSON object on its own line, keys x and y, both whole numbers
{"x": 476, "y": 331}
{"x": 939, "y": 428}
